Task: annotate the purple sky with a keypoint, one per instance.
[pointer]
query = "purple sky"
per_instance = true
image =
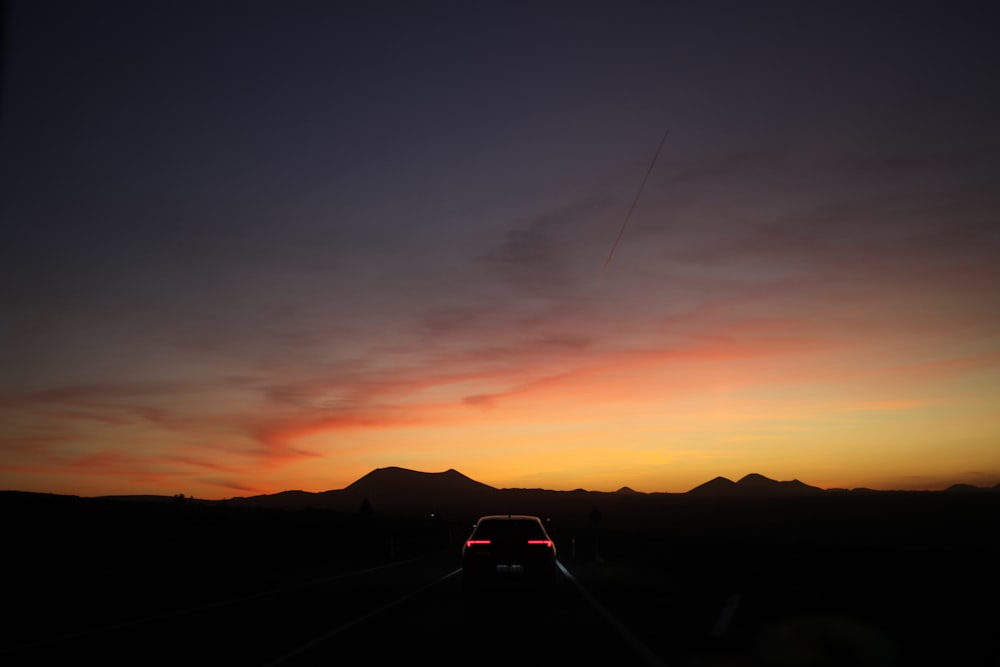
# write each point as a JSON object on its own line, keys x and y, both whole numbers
{"x": 232, "y": 229}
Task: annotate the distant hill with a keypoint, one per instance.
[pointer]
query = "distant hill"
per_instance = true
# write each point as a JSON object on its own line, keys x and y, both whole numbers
{"x": 969, "y": 488}
{"x": 400, "y": 491}
{"x": 754, "y": 486}
{"x": 394, "y": 481}
{"x": 388, "y": 490}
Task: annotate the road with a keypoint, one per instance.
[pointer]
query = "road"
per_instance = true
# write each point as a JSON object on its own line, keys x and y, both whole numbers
{"x": 500, "y": 625}
{"x": 413, "y": 610}
{"x": 704, "y": 611}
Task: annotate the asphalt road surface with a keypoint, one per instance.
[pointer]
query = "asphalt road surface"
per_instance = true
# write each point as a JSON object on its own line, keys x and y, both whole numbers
{"x": 413, "y": 610}
{"x": 498, "y": 625}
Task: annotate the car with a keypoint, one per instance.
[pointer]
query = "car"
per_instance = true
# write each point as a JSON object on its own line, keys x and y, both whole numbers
{"x": 507, "y": 549}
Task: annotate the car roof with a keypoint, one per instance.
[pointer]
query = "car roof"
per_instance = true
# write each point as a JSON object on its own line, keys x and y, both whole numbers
{"x": 509, "y": 517}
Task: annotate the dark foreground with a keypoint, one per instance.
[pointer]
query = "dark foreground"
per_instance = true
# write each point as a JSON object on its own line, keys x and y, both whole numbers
{"x": 908, "y": 579}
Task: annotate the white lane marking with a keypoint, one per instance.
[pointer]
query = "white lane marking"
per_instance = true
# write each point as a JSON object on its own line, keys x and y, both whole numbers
{"x": 726, "y": 615}
{"x": 302, "y": 648}
{"x": 640, "y": 648}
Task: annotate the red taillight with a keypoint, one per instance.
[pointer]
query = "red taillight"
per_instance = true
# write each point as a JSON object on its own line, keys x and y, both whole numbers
{"x": 472, "y": 543}
{"x": 547, "y": 543}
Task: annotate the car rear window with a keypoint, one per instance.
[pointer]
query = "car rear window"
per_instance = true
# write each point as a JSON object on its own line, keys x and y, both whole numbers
{"x": 510, "y": 528}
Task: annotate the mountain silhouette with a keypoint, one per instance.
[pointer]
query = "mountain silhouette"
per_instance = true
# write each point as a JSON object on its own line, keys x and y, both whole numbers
{"x": 719, "y": 486}
{"x": 753, "y": 485}
{"x": 401, "y": 491}
{"x": 394, "y": 481}
{"x": 396, "y": 490}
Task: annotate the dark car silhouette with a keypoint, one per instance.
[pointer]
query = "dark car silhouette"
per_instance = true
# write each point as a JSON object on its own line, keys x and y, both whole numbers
{"x": 508, "y": 548}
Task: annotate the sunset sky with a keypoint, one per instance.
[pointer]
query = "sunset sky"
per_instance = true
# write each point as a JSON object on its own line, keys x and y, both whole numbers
{"x": 248, "y": 247}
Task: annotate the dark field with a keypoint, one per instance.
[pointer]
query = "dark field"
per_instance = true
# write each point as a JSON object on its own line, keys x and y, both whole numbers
{"x": 903, "y": 579}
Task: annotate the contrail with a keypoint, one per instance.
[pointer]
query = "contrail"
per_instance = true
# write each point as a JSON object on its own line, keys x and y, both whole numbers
{"x": 636, "y": 200}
